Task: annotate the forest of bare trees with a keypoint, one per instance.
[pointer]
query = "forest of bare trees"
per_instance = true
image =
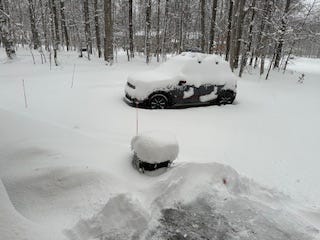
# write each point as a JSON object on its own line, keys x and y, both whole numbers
{"x": 244, "y": 32}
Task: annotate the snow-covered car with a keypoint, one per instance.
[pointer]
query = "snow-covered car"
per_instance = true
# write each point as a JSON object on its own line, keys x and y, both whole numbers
{"x": 184, "y": 80}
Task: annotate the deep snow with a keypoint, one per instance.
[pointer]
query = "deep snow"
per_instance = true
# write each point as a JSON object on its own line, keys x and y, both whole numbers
{"x": 65, "y": 160}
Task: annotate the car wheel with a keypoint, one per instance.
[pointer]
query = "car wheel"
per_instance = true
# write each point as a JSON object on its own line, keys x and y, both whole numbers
{"x": 158, "y": 101}
{"x": 226, "y": 97}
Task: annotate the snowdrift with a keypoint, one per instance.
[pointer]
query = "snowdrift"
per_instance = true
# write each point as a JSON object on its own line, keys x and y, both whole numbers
{"x": 14, "y": 226}
{"x": 196, "y": 201}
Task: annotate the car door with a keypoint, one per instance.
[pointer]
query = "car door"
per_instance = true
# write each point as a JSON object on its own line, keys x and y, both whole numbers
{"x": 184, "y": 93}
{"x": 205, "y": 90}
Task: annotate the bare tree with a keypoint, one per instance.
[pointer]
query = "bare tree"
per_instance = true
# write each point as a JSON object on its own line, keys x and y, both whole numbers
{"x": 228, "y": 41}
{"x": 34, "y": 31}
{"x": 64, "y": 28}
{"x": 213, "y": 25}
{"x": 97, "y": 27}
{"x": 248, "y": 44}
{"x": 158, "y": 30}
{"x": 108, "y": 43}
{"x": 6, "y": 39}
{"x": 147, "y": 31}
{"x": 202, "y": 24}
{"x": 87, "y": 30}
{"x": 282, "y": 33}
{"x": 131, "y": 46}
{"x": 237, "y": 25}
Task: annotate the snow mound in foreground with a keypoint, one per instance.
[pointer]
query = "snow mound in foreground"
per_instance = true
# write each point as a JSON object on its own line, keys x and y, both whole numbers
{"x": 155, "y": 147}
{"x": 196, "y": 201}
{"x": 58, "y": 196}
{"x": 14, "y": 226}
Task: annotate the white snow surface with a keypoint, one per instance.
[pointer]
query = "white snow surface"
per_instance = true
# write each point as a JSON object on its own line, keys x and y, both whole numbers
{"x": 209, "y": 97}
{"x": 194, "y": 68}
{"x": 188, "y": 93}
{"x": 155, "y": 147}
{"x": 245, "y": 171}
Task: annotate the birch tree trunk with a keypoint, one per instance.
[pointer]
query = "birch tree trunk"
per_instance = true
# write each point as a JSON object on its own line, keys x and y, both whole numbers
{"x": 108, "y": 43}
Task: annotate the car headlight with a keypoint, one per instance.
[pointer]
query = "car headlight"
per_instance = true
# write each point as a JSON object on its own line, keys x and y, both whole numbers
{"x": 130, "y": 85}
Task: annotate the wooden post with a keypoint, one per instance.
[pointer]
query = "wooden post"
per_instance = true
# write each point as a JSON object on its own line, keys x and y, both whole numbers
{"x": 74, "y": 69}
{"x": 25, "y": 95}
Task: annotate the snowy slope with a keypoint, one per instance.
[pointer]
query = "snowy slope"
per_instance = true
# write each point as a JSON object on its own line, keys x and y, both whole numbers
{"x": 65, "y": 160}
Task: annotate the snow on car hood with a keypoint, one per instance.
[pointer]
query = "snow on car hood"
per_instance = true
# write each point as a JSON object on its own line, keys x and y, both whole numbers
{"x": 195, "y": 68}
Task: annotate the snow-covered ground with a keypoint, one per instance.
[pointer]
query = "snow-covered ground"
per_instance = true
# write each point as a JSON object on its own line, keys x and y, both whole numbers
{"x": 65, "y": 160}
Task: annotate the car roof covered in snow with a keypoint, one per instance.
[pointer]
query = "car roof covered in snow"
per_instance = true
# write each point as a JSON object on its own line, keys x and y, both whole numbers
{"x": 197, "y": 68}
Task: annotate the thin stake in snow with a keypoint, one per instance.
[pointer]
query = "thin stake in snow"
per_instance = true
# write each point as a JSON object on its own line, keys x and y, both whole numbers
{"x": 137, "y": 120}
{"x": 74, "y": 69}
{"x": 24, "y": 93}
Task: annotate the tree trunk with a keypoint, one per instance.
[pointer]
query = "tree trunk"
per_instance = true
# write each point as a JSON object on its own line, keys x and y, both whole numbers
{"x": 240, "y": 13}
{"x": 97, "y": 28}
{"x": 87, "y": 30}
{"x": 64, "y": 28}
{"x": 108, "y": 43}
{"x": 6, "y": 39}
{"x": 147, "y": 31}
{"x": 282, "y": 33}
{"x": 266, "y": 26}
{"x": 131, "y": 46}
{"x": 34, "y": 31}
{"x": 233, "y": 38}
{"x": 181, "y": 26}
{"x": 248, "y": 44}
{"x": 202, "y": 24}
{"x": 43, "y": 10}
{"x": 166, "y": 21}
{"x": 228, "y": 41}
{"x": 158, "y": 30}
{"x": 213, "y": 25}
{"x": 54, "y": 31}
{"x": 56, "y": 22}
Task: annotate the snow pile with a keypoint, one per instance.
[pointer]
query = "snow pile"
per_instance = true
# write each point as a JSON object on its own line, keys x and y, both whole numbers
{"x": 121, "y": 218}
{"x": 195, "y": 68}
{"x": 196, "y": 201}
{"x": 14, "y": 226}
{"x": 155, "y": 147}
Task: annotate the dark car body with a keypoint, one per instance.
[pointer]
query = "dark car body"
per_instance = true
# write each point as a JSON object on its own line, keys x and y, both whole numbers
{"x": 183, "y": 81}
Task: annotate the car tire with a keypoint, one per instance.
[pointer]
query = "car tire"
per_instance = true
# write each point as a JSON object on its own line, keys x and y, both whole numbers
{"x": 226, "y": 97}
{"x": 158, "y": 101}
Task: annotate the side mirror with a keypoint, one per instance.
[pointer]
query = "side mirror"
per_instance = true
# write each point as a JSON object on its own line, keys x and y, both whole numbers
{"x": 182, "y": 82}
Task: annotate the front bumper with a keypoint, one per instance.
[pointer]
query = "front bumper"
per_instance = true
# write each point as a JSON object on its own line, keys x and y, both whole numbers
{"x": 133, "y": 102}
